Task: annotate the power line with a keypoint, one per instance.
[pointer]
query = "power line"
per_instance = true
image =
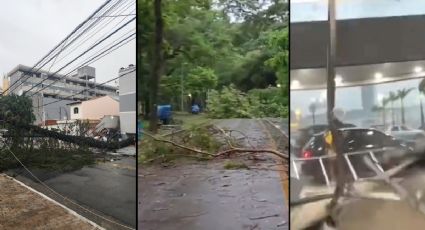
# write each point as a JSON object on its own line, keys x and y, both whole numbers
{"x": 60, "y": 195}
{"x": 92, "y": 47}
{"x": 100, "y": 25}
{"x": 106, "y": 47}
{"x": 91, "y": 62}
{"x": 82, "y": 91}
{"x": 97, "y": 57}
{"x": 81, "y": 25}
{"x": 115, "y": 16}
{"x": 55, "y": 48}
{"x": 92, "y": 25}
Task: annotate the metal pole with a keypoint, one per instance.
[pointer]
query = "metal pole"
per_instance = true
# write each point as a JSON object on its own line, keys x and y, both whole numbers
{"x": 422, "y": 115}
{"x": 331, "y": 59}
{"x": 332, "y": 121}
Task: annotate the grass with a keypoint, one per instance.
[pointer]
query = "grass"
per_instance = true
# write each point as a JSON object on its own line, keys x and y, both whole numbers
{"x": 188, "y": 120}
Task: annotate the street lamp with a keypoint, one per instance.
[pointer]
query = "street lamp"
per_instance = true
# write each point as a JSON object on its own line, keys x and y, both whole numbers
{"x": 295, "y": 84}
{"x": 338, "y": 80}
{"x": 378, "y": 76}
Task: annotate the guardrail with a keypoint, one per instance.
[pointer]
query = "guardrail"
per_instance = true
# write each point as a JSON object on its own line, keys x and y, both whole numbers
{"x": 279, "y": 136}
{"x": 370, "y": 153}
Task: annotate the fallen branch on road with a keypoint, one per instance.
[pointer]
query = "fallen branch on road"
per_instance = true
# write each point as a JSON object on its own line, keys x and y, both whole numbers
{"x": 244, "y": 150}
{"x": 176, "y": 144}
{"x": 219, "y": 154}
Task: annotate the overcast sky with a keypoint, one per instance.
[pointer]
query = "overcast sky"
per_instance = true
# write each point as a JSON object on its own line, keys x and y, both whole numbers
{"x": 31, "y": 28}
{"x": 316, "y": 10}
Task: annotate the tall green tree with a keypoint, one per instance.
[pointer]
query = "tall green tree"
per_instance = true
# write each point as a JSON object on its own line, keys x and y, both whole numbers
{"x": 392, "y": 97}
{"x": 401, "y": 94}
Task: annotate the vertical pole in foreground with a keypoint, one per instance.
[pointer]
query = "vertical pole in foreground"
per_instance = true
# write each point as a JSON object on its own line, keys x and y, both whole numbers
{"x": 422, "y": 115}
{"x": 332, "y": 120}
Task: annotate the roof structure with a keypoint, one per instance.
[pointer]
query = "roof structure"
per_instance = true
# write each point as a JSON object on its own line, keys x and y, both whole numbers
{"x": 369, "y": 51}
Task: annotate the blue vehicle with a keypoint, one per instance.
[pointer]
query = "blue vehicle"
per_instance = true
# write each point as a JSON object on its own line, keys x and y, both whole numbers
{"x": 164, "y": 113}
{"x": 195, "y": 109}
{"x": 139, "y": 129}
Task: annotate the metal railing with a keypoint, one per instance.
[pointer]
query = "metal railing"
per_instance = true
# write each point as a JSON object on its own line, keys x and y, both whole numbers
{"x": 367, "y": 153}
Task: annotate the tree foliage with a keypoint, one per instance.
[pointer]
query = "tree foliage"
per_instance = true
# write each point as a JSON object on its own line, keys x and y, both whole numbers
{"x": 233, "y": 103}
{"x": 212, "y": 44}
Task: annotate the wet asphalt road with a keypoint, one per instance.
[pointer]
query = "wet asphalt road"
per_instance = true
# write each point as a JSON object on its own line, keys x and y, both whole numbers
{"x": 108, "y": 189}
{"x": 204, "y": 196}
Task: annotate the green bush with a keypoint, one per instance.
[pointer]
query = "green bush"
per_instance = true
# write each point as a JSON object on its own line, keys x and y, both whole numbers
{"x": 232, "y": 103}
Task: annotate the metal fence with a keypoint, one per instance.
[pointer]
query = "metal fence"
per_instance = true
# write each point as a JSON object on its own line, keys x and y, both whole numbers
{"x": 376, "y": 155}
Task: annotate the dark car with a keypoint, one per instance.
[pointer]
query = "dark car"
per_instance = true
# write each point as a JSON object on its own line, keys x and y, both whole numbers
{"x": 354, "y": 140}
{"x": 306, "y": 133}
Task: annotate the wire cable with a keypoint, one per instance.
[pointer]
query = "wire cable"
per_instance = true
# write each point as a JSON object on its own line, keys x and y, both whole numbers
{"x": 100, "y": 27}
{"x": 86, "y": 63}
{"x": 63, "y": 197}
{"x": 55, "y": 48}
{"x": 92, "y": 47}
{"x": 82, "y": 91}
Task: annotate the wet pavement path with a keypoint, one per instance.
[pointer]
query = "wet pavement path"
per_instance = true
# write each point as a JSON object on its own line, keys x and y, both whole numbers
{"x": 107, "y": 189}
{"x": 205, "y": 196}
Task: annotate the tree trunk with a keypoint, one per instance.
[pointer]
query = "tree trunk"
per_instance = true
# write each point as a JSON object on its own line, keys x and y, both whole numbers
{"x": 392, "y": 113}
{"x": 384, "y": 117}
{"x": 403, "y": 121}
{"x": 157, "y": 67}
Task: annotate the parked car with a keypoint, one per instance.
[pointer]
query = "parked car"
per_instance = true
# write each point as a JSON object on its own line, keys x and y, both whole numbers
{"x": 306, "y": 133}
{"x": 387, "y": 149}
{"x": 411, "y": 136}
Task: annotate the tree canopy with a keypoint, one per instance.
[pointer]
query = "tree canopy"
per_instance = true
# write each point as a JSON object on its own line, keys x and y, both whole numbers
{"x": 209, "y": 44}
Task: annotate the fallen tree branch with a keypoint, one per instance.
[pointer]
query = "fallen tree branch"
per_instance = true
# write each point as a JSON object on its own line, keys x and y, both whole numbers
{"x": 243, "y": 150}
{"x": 176, "y": 144}
{"x": 80, "y": 140}
{"x": 263, "y": 217}
{"x": 225, "y": 152}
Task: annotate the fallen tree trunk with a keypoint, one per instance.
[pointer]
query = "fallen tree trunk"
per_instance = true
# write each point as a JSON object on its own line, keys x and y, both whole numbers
{"x": 80, "y": 140}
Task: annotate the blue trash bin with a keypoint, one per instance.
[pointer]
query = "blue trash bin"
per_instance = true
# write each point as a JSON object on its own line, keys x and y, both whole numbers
{"x": 139, "y": 129}
{"x": 164, "y": 113}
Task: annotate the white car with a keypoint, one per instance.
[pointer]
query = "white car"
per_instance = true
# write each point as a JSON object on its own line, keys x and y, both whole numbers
{"x": 404, "y": 133}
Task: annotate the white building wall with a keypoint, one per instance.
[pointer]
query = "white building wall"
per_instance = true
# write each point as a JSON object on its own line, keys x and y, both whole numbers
{"x": 127, "y": 92}
{"x": 75, "y": 116}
